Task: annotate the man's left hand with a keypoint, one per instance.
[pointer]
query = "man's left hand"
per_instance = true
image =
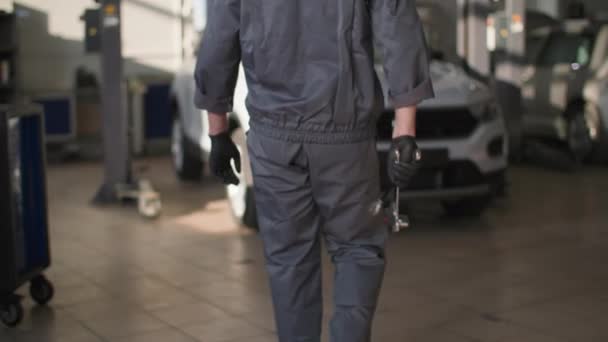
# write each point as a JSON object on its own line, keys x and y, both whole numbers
{"x": 403, "y": 160}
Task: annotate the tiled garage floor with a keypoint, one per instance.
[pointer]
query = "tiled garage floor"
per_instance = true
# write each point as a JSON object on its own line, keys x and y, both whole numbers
{"x": 533, "y": 269}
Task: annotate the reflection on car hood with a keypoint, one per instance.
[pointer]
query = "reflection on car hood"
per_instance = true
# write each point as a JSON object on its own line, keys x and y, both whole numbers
{"x": 453, "y": 87}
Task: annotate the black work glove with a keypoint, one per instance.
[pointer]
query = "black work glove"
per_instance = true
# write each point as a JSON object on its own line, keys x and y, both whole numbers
{"x": 403, "y": 160}
{"x": 223, "y": 150}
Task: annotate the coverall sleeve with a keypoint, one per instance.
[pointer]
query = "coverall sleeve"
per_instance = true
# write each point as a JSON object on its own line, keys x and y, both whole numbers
{"x": 399, "y": 34}
{"x": 219, "y": 57}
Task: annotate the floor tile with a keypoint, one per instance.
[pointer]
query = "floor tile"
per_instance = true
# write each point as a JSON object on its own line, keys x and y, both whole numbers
{"x": 110, "y": 327}
{"x": 165, "y": 335}
{"x": 224, "y": 330}
{"x": 188, "y": 314}
{"x": 495, "y": 329}
{"x": 264, "y": 338}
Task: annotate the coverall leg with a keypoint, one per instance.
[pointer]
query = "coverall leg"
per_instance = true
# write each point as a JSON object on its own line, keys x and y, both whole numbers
{"x": 305, "y": 192}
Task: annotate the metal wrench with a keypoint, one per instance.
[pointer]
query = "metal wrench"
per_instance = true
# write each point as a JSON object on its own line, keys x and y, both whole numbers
{"x": 400, "y": 222}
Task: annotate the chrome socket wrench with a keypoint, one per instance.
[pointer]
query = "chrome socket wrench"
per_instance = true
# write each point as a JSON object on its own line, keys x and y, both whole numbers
{"x": 400, "y": 222}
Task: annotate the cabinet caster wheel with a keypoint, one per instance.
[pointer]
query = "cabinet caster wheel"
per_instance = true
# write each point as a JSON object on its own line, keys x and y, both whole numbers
{"x": 150, "y": 206}
{"x": 41, "y": 290}
{"x": 12, "y": 314}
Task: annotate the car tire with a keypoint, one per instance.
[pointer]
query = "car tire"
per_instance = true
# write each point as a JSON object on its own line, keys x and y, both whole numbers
{"x": 599, "y": 153}
{"x": 579, "y": 139}
{"x": 600, "y": 148}
{"x": 188, "y": 165}
{"x": 470, "y": 207}
{"x": 241, "y": 197}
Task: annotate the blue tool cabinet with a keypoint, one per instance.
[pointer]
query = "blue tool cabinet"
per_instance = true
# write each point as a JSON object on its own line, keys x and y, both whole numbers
{"x": 24, "y": 234}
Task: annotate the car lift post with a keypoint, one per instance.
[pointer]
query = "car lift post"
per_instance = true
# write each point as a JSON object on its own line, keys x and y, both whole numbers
{"x": 473, "y": 49}
{"x": 117, "y": 165}
{"x": 118, "y": 183}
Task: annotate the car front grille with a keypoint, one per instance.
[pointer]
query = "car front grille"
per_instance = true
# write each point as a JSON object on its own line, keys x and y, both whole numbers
{"x": 444, "y": 123}
{"x": 453, "y": 174}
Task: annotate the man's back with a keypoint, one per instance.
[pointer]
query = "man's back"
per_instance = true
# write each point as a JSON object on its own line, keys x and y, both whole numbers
{"x": 290, "y": 51}
{"x": 310, "y": 63}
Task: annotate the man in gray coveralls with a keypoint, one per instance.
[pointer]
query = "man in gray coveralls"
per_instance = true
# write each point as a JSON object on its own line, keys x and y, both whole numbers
{"x": 313, "y": 99}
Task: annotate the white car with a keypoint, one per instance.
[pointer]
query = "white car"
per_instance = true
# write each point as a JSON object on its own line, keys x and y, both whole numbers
{"x": 464, "y": 143}
{"x": 564, "y": 88}
{"x": 190, "y": 142}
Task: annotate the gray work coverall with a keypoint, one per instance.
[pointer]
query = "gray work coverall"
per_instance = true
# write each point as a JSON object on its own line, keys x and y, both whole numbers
{"x": 313, "y": 101}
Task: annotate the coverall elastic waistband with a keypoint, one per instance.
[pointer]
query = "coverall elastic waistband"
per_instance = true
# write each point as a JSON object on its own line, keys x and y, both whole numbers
{"x": 312, "y": 133}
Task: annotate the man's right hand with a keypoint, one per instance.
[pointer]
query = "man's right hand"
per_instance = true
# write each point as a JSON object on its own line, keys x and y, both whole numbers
{"x": 403, "y": 160}
{"x": 223, "y": 150}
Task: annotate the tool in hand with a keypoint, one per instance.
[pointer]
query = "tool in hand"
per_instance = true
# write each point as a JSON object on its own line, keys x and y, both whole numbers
{"x": 400, "y": 222}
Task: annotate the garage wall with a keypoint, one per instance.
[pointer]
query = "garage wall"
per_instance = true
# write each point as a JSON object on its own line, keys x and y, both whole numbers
{"x": 6, "y": 5}
{"x": 152, "y": 33}
{"x": 51, "y": 40}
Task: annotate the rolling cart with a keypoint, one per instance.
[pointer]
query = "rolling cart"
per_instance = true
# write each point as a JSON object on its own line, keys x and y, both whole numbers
{"x": 24, "y": 236}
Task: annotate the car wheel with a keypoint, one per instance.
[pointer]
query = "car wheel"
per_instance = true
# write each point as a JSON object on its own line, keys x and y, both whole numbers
{"x": 580, "y": 135}
{"x": 187, "y": 165}
{"x": 241, "y": 197}
{"x": 599, "y": 133}
{"x": 470, "y": 207}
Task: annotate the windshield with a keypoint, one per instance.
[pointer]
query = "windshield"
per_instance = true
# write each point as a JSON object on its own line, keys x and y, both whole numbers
{"x": 567, "y": 48}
